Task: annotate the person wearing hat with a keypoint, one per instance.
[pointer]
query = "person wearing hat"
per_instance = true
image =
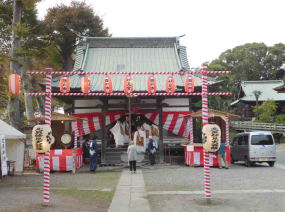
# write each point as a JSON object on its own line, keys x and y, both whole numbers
{"x": 151, "y": 149}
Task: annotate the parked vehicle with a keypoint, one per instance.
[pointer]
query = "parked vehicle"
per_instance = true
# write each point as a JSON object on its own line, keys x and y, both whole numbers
{"x": 254, "y": 147}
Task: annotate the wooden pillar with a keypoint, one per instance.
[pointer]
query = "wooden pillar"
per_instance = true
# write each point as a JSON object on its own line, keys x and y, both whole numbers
{"x": 160, "y": 143}
{"x": 104, "y": 137}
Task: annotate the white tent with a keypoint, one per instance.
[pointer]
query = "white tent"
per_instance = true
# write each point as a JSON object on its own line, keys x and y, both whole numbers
{"x": 14, "y": 145}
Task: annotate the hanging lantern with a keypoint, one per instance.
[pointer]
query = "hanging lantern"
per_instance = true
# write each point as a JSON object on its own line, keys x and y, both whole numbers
{"x": 211, "y": 137}
{"x": 14, "y": 84}
{"x": 42, "y": 138}
{"x": 151, "y": 85}
{"x": 128, "y": 85}
{"x": 85, "y": 85}
{"x": 64, "y": 85}
{"x": 189, "y": 84}
{"x": 108, "y": 85}
{"x": 170, "y": 84}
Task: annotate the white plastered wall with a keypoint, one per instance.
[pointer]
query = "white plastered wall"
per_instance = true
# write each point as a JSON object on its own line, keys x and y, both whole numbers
{"x": 15, "y": 152}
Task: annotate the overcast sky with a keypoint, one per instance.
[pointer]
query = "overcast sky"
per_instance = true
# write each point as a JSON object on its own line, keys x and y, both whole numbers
{"x": 211, "y": 26}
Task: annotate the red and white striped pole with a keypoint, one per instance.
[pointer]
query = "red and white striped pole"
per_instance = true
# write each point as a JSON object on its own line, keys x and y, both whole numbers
{"x": 191, "y": 131}
{"x": 205, "y": 116}
{"x": 227, "y": 131}
{"x": 46, "y": 180}
{"x": 74, "y": 150}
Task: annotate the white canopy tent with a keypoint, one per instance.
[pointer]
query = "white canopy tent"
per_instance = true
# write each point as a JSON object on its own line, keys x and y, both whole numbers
{"x": 14, "y": 145}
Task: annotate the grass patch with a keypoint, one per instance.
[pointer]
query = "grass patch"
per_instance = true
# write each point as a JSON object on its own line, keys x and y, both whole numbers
{"x": 104, "y": 197}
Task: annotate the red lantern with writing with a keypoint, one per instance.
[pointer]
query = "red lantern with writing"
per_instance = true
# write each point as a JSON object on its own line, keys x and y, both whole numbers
{"x": 64, "y": 85}
{"x": 128, "y": 85}
{"x": 14, "y": 84}
{"x": 151, "y": 85}
{"x": 85, "y": 85}
{"x": 108, "y": 85}
{"x": 170, "y": 84}
{"x": 189, "y": 84}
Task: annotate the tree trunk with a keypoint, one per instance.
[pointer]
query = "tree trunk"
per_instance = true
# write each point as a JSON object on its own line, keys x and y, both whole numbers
{"x": 15, "y": 67}
{"x": 256, "y": 105}
{"x": 40, "y": 104}
{"x": 28, "y": 99}
{"x": 68, "y": 64}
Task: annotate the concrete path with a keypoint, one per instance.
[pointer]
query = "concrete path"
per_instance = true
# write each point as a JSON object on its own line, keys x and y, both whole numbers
{"x": 130, "y": 195}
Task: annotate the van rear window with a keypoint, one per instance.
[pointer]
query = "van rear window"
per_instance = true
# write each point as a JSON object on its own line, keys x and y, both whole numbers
{"x": 261, "y": 140}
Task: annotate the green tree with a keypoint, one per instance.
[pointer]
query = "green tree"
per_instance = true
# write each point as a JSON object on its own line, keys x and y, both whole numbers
{"x": 66, "y": 23}
{"x": 252, "y": 61}
{"x": 266, "y": 111}
{"x": 280, "y": 119}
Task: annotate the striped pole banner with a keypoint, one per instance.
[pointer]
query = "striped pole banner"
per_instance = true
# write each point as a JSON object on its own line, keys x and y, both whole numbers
{"x": 205, "y": 116}
{"x": 47, "y": 108}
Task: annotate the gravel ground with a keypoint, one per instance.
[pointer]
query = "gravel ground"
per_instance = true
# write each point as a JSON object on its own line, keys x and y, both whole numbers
{"x": 237, "y": 178}
{"x": 225, "y": 203}
{"x": 83, "y": 191}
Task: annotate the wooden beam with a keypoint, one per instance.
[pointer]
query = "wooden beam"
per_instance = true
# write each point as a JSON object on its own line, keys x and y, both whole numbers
{"x": 160, "y": 143}
{"x": 104, "y": 137}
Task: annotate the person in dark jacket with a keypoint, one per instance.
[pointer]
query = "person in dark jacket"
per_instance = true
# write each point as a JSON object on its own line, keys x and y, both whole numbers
{"x": 93, "y": 151}
{"x": 151, "y": 149}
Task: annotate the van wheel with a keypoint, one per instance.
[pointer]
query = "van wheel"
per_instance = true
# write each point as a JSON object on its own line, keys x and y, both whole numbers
{"x": 271, "y": 163}
{"x": 248, "y": 163}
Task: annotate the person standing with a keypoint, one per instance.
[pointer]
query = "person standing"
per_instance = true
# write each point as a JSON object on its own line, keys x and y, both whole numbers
{"x": 93, "y": 151}
{"x": 222, "y": 155}
{"x": 151, "y": 149}
{"x": 132, "y": 157}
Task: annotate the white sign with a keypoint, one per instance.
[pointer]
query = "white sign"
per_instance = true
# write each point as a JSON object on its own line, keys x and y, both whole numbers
{"x": 3, "y": 156}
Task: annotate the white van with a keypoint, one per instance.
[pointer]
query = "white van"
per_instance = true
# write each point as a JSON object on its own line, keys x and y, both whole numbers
{"x": 254, "y": 147}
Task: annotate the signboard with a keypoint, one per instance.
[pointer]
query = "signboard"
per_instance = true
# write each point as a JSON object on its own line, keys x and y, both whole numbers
{"x": 3, "y": 156}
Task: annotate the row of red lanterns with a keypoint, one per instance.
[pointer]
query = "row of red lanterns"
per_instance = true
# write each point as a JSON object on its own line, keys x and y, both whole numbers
{"x": 64, "y": 84}
{"x": 128, "y": 85}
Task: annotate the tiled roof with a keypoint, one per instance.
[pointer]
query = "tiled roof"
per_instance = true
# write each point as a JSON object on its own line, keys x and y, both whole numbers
{"x": 266, "y": 87}
{"x": 130, "y": 55}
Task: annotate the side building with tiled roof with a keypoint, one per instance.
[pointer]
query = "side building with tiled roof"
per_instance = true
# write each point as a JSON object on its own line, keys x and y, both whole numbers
{"x": 268, "y": 91}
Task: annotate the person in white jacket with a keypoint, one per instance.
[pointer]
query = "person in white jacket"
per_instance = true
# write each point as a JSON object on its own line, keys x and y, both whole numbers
{"x": 132, "y": 157}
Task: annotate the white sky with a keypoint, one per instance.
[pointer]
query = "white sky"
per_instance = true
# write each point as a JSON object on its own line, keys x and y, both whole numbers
{"x": 211, "y": 26}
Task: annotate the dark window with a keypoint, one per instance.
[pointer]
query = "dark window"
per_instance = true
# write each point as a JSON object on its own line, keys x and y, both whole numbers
{"x": 245, "y": 140}
{"x": 240, "y": 140}
{"x": 261, "y": 140}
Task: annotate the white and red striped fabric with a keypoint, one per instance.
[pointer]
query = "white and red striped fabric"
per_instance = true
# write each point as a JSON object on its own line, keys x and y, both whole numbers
{"x": 195, "y": 157}
{"x": 170, "y": 121}
{"x": 61, "y": 160}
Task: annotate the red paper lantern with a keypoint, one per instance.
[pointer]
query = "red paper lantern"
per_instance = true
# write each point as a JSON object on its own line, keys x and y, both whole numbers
{"x": 170, "y": 84}
{"x": 151, "y": 85}
{"x": 64, "y": 85}
{"x": 85, "y": 85}
{"x": 108, "y": 85}
{"x": 189, "y": 84}
{"x": 14, "y": 84}
{"x": 128, "y": 85}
